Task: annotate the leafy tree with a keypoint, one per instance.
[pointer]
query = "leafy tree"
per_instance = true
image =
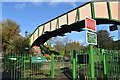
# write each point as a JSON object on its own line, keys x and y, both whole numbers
{"x": 116, "y": 45}
{"x": 12, "y": 41}
{"x": 19, "y": 45}
{"x": 74, "y": 46}
{"x": 104, "y": 39}
{"x": 46, "y": 49}
{"x": 10, "y": 30}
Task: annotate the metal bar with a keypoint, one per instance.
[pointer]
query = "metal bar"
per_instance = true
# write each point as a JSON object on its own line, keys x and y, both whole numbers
{"x": 80, "y": 52}
{"x": 38, "y": 31}
{"x": 78, "y": 14}
{"x": 76, "y": 18}
{"x": 67, "y": 19}
{"x": 52, "y": 66}
{"x": 50, "y": 25}
{"x": 33, "y": 37}
{"x": 24, "y": 66}
{"x": 17, "y": 61}
{"x": 74, "y": 65}
{"x": 12, "y": 70}
{"x": 92, "y": 62}
{"x": 58, "y": 23}
{"x": 109, "y": 11}
{"x": 104, "y": 64}
{"x": 43, "y": 29}
{"x": 92, "y": 10}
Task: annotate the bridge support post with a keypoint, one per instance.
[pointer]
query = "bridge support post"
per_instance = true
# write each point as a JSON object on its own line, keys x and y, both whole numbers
{"x": 92, "y": 62}
{"x": 52, "y": 66}
{"x": 74, "y": 65}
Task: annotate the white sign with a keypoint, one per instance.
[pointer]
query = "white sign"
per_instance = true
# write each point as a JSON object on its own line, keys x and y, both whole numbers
{"x": 91, "y": 38}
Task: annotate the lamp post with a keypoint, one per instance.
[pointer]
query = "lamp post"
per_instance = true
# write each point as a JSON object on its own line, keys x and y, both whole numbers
{"x": 26, "y": 33}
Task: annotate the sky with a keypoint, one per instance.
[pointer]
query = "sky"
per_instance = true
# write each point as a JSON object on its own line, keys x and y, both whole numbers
{"x": 29, "y": 15}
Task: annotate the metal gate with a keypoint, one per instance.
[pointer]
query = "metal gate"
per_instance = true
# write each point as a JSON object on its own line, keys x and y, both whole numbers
{"x": 77, "y": 67}
{"x": 106, "y": 65}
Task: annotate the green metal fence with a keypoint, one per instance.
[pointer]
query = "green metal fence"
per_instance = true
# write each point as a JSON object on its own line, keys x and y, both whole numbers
{"x": 76, "y": 67}
{"x": 23, "y": 67}
{"x": 106, "y": 65}
{"x": 113, "y": 64}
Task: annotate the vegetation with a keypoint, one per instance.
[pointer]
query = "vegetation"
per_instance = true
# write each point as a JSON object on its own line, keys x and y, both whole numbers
{"x": 65, "y": 45}
{"x": 105, "y": 41}
{"x": 12, "y": 41}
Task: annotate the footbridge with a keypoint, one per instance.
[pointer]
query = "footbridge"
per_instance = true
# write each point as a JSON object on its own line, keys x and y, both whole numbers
{"x": 74, "y": 20}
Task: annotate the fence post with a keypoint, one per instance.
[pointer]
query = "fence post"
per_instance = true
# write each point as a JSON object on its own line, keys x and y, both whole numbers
{"x": 52, "y": 66}
{"x": 104, "y": 64}
{"x": 24, "y": 67}
{"x": 74, "y": 65}
{"x": 92, "y": 62}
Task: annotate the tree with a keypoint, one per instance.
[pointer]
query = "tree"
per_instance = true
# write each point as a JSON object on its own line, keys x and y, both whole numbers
{"x": 59, "y": 43}
{"x": 12, "y": 41}
{"x": 104, "y": 39}
{"x": 116, "y": 45}
{"x": 10, "y": 31}
{"x": 74, "y": 46}
{"x": 19, "y": 45}
{"x": 66, "y": 45}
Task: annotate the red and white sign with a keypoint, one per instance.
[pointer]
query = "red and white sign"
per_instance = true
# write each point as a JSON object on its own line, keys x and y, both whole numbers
{"x": 90, "y": 24}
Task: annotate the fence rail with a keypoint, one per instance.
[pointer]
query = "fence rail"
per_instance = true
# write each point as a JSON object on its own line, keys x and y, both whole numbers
{"x": 106, "y": 66}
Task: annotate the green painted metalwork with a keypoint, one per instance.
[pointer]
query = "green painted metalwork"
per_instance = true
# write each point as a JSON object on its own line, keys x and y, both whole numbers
{"x": 24, "y": 68}
{"x": 92, "y": 62}
{"x": 52, "y": 66}
{"x": 33, "y": 37}
{"x": 78, "y": 14}
{"x": 108, "y": 19}
{"x": 113, "y": 67}
{"x": 76, "y": 18}
{"x": 50, "y": 26}
{"x": 109, "y": 11}
{"x": 92, "y": 10}
{"x": 38, "y": 31}
{"x": 58, "y": 23}
{"x": 59, "y": 16}
{"x": 43, "y": 29}
{"x": 67, "y": 19}
{"x": 74, "y": 65}
{"x": 104, "y": 64}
